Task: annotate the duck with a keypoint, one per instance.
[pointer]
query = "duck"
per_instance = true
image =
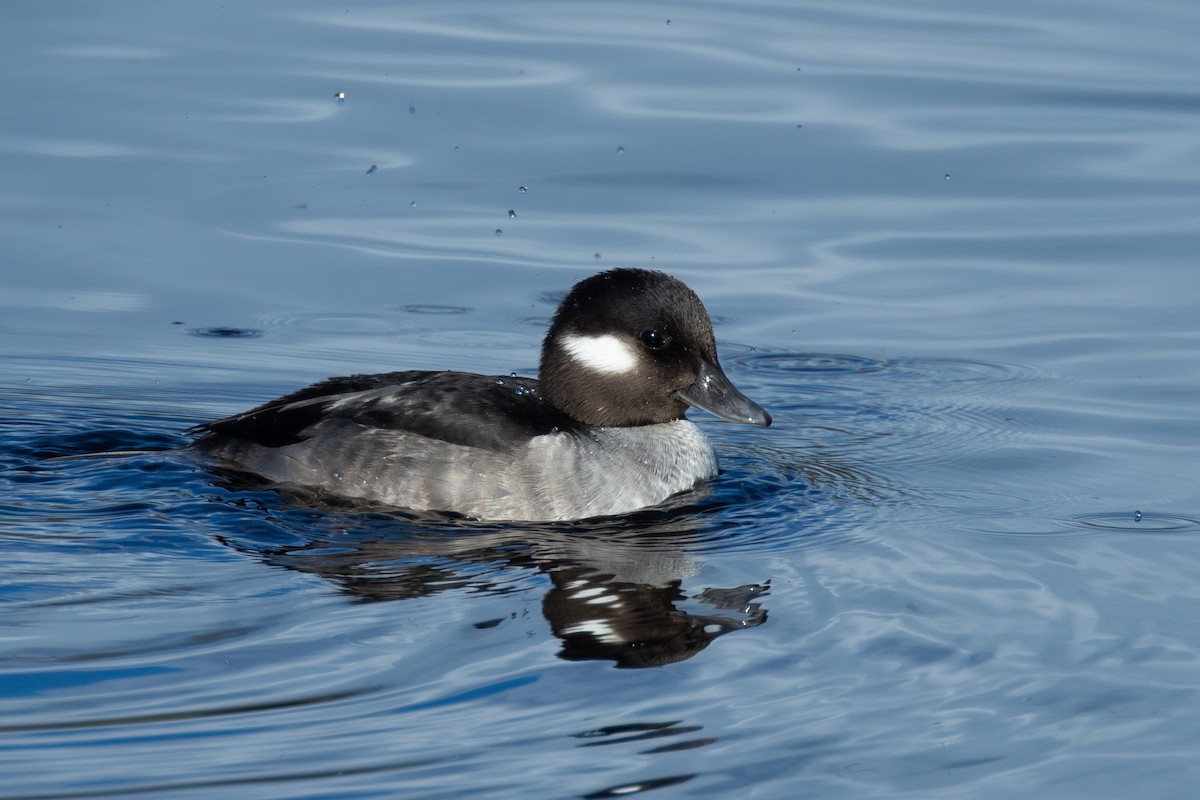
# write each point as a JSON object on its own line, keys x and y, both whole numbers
{"x": 602, "y": 432}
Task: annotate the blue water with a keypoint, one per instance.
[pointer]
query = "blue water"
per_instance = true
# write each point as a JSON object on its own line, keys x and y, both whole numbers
{"x": 950, "y": 246}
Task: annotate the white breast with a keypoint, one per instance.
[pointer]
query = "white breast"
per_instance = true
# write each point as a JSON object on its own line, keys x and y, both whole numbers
{"x": 616, "y": 470}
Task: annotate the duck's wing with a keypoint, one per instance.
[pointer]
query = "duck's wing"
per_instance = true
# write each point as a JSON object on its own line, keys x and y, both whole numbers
{"x": 460, "y": 408}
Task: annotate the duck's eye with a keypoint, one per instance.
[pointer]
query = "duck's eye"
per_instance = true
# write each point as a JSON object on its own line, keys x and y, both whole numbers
{"x": 654, "y": 339}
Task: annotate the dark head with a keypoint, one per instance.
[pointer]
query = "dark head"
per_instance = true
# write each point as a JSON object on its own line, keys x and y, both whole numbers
{"x": 635, "y": 347}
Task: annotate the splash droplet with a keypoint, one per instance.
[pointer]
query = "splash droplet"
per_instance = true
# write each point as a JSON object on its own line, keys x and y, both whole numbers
{"x": 512, "y": 214}
{"x": 620, "y": 150}
{"x": 596, "y": 255}
{"x": 522, "y": 189}
{"x": 341, "y": 98}
{"x": 947, "y": 176}
{"x": 412, "y": 109}
{"x": 1137, "y": 516}
{"x": 499, "y": 232}
{"x": 371, "y": 171}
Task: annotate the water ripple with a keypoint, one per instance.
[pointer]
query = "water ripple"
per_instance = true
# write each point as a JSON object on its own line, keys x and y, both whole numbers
{"x": 225, "y": 332}
{"x": 808, "y": 363}
{"x": 1135, "y": 522}
{"x": 962, "y": 370}
{"x": 341, "y": 324}
{"x": 938, "y": 371}
{"x": 1018, "y": 516}
{"x": 429, "y": 308}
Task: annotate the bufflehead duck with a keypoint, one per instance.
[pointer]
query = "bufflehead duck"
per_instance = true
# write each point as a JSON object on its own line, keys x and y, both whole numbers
{"x": 603, "y": 432}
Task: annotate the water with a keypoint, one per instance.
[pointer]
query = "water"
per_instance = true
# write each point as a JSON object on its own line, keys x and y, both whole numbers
{"x": 949, "y": 246}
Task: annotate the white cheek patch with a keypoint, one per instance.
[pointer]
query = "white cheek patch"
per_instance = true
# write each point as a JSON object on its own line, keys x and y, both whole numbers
{"x": 601, "y": 353}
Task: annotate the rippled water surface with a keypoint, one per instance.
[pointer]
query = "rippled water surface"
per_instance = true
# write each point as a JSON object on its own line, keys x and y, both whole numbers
{"x": 950, "y": 246}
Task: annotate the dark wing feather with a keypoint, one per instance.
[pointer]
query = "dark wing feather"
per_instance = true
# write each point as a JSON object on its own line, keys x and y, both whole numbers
{"x": 455, "y": 407}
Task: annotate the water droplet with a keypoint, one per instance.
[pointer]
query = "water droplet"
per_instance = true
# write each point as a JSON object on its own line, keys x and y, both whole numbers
{"x": 499, "y": 232}
{"x": 499, "y": 381}
{"x": 413, "y": 204}
{"x": 412, "y": 109}
{"x": 668, "y": 22}
{"x": 947, "y": 176}
{"x": 371, "y": 171}
{"x": 512, "y": 214}
{"x": 522, "y": 189}
{"x": 620, "y": 150}
{"x": 341, "y": 98}
{"x": 1137, "y": 516}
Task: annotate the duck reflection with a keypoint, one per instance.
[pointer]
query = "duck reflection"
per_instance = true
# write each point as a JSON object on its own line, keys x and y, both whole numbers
{"x": 597, "y": 616}
{"x": 616, "y": 587}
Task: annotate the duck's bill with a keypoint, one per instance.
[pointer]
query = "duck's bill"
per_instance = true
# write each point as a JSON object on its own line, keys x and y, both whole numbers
{"x": 712, "y": 392}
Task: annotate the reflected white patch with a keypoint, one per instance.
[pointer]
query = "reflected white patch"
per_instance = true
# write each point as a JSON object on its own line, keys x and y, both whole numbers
{"x": 598, "y": 628}
{"x": 601, "y": 353}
